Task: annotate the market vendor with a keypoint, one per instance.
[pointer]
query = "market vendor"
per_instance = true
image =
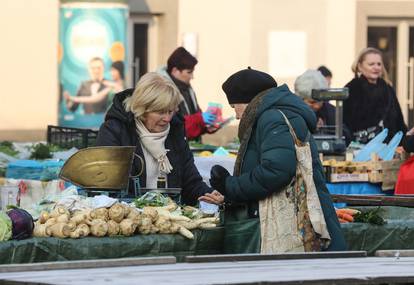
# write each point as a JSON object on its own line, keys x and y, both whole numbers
{"x": 267, "y": 209}
{"x": 144, "y": 117}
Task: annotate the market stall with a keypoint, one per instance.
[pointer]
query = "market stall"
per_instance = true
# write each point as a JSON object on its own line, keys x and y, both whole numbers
{"x": 56, "y": 249}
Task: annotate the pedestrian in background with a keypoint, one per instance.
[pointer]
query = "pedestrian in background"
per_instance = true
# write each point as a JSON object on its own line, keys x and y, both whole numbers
{"x": 372, "y": 104}
{"x": 180, "y": 69}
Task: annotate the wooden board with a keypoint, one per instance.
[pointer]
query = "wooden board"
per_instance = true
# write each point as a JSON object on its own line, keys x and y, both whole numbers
{"x": 253, "y": 257}
{"x": 362, "y": 270}
{"x": 374, "y": 200}
{"x": 96, "y": 263}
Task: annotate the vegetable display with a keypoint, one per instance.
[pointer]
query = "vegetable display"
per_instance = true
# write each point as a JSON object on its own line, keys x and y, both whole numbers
{"x": 5, "y": 227}
{"x": 122, "y": 219}
{"x": 371, "y": 216}
{"x": 22, "y": 223}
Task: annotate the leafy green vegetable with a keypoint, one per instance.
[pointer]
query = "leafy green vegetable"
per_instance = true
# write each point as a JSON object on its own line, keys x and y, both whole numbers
{"x": 372, "y": 216}
{"x": 40, "y": 151}
{"x": 152, "y": 199}
{"x": 8, "y": 148}
{"x": 5, "y": 227}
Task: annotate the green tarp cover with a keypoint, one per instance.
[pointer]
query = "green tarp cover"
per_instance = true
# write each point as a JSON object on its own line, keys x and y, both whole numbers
{"x": 398, "y": 233}
{"x": 55, "y": 249}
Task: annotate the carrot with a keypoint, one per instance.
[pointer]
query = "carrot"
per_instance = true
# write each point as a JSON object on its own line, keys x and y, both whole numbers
{"x": 342, "y": 221}
{"x": 345, "y": 216}
{"x": 348, "y": 211}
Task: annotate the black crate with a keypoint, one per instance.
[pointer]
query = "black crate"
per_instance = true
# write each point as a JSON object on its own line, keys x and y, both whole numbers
{"x": 66, "y": 137}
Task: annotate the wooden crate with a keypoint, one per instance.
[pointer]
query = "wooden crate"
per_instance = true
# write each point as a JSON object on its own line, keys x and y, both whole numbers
{"x": 373, "y": 171}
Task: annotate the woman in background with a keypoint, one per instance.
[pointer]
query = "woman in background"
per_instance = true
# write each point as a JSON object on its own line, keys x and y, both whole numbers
{"x": 372, "y": 104}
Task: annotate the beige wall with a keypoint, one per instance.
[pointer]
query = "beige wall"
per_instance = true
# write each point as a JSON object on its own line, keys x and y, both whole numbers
{"x": 224, "y": 39}
{"x": 232, "y": 34}
{"x": 28, "y": 77}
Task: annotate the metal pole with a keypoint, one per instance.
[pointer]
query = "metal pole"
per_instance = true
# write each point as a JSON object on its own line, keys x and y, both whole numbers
{"x": 136, "y": 66}
{"x": 339, "y": 119}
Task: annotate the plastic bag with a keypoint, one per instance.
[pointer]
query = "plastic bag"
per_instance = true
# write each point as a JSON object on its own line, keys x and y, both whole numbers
{"x": 405, "y": 180}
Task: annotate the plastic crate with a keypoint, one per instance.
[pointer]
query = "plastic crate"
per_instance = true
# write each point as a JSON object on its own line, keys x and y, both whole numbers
{"x": 66, "y": 137}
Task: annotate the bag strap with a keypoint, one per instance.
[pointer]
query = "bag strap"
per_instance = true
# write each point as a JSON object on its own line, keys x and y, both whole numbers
{"x": 298, "y": 142}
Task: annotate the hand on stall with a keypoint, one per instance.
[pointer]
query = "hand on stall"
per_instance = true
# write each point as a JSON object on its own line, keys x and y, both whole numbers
{"x": 214, "y": 197}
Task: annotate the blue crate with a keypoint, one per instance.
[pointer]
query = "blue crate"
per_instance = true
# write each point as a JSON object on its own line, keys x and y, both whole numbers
{"x": 34, "y": 169}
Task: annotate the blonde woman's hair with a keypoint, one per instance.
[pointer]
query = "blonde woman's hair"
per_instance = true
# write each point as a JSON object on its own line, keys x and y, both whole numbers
{"x": 361, "y": 57}
{"x": 153, "y": 93}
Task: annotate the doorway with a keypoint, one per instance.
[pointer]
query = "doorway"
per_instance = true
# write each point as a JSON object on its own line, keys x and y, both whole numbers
{"x": 142, "y": 34}
{"x": 395, "y": 39}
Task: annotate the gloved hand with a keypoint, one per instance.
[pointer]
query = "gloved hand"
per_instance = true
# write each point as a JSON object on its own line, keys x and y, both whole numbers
{"x": 208, "y": 118}
{"x": 218, "y": 175}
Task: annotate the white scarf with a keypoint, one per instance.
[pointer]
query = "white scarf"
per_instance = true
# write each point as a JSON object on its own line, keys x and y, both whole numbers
{"x": 154, "y": 144}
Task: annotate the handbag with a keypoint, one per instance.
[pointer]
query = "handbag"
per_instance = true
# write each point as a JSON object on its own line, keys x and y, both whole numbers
{"x": 368, "y": 134}
{"x": 292, "y": 220}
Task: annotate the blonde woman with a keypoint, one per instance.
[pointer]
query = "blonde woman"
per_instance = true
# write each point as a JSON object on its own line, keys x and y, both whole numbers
{"x": 372, "y": 104}
{"x": 144, "y": 117}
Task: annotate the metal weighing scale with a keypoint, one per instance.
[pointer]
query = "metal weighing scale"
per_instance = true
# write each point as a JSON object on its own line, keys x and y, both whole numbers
{"x": 330, "y": 139}
{"x": 105, "y": 170}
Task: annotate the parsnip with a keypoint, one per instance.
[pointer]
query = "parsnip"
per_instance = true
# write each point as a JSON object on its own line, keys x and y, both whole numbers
{"x": 59, "y": 210}
{"x": 44, "y": 216}
{"x": 113, "y": 228}
{"x": 188, "y": 225}
{"x": 212, "y": 220}
{"x": 99, "y": 228}
{"x": 64, "y": 218}
{"x": 207, "y": 226}
{"x": 145, "y": 226}
{"x": 71, "y": 225}
{"x": 184, "y": 232}
{"x": 82, "y": 230}
{"x": 50, "y": 222}
{"x": 154, "y": 229}
{"x": 151, "y": 212}
{"x": 41, "y": 230}
{"x": 79, "y": 217}
{"x": 60, "y": 230}
{"x": 100, "y": 213}
{"x": 127, "y": 227}
{"x": 174, "y": 228}
{"x": 163, "y": 224}
{"x": 134, "y": 214}
{"x": 117, "y": 212}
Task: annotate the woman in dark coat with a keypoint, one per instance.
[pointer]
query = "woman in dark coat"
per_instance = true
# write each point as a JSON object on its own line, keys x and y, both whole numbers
{"x": 266, "y": 164}
{"x": 372, "y": 104}
{"x": 144, "y": 118}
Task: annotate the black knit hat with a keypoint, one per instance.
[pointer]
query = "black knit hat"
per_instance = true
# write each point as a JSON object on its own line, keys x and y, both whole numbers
{"x": 244, "y": 85}
{"x": 181, "y": 59}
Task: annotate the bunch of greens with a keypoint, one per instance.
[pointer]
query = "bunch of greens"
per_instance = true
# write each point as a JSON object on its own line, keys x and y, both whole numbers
{"x": 152, "y": 199}
{"x": 5, "y": 227}
{"x": 372, "y": 216}
{"x": 40, "y": 151}
{"x": 8, "y": 148}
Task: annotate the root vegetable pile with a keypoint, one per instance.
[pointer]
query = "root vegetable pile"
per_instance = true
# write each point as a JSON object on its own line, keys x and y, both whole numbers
{"x": 120, "y": 219}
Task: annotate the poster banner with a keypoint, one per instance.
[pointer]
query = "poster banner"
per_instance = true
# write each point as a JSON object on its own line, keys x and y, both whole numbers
{"x": 92, "y": 63}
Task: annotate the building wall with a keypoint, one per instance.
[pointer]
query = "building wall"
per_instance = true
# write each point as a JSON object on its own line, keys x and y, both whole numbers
{"x": 28, "y": 75}
{"x": 240, "y": 36}
{"x": 231, "y": 35}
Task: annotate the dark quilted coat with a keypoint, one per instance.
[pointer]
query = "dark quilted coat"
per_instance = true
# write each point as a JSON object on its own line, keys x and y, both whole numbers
{"x": 269, "y": 163}
{"x": 119, "y": 130}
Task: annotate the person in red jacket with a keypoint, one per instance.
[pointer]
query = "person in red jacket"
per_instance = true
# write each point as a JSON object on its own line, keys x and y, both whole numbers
{"x": 179, "y": 69}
